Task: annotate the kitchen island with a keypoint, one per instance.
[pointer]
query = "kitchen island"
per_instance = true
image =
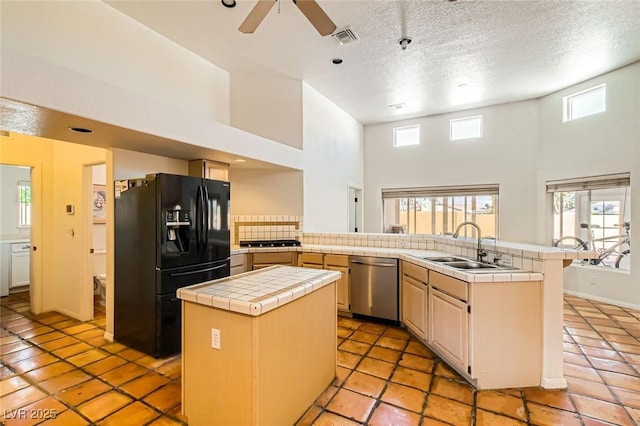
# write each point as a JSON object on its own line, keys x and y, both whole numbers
{"x": 274, "y": 333}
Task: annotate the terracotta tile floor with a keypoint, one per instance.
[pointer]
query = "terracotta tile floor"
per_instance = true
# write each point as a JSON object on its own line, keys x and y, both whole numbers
{"x": 53, "y": 364}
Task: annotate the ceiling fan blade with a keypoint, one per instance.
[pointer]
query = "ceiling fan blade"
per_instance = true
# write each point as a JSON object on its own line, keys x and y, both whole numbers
{"x": 316, "y": 16}
{"x": 255, "y": 17}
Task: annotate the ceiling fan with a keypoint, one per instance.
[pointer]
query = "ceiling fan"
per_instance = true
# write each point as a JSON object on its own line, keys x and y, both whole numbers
{"x": 309, "y": 8}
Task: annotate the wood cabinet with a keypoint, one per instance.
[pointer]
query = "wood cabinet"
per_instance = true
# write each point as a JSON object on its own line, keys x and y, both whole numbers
{"x": 490, "y": 332}
{"x": 449, "y": 328}
{"x": 20, "y": 267}
{"x": 238, "y": 263}
{"x": 339, "y": 262}
{"x": 311, "y": 260}
{"x": 415, "y": 300}
{"x": 209, "y": 169}
{"x": 332, "y": 262}
{"x": 264, "y": 259}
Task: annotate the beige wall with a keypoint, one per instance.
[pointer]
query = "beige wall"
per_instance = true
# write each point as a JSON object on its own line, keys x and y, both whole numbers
{"x": 267, "y": 106}
{"x": 266, "y": 192}
{"x": 57, "y": 180}
{"x": 131, "y": 164}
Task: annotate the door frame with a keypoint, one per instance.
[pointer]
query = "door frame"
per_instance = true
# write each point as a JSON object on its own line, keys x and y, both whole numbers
{"x": 356, "y": 208}
{"x": 87, "y": 243}
{"x": 35, "y": 234}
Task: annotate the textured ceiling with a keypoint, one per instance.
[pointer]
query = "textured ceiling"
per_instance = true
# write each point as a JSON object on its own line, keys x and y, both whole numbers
{"x": 498, "y": 51}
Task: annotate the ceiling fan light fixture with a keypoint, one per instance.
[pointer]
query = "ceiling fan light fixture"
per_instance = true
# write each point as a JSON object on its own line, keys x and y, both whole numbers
{"x": 228, "y": 3}
{"x": 336, "y": 61}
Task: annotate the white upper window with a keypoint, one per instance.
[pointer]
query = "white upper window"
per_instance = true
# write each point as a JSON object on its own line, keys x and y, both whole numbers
{"x": 465, "y": 128}
{"x": 406, "y": 136}
{"x": 586, "y": 102}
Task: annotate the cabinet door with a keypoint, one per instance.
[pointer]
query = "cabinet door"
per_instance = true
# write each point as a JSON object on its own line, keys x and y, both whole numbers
{"x": 19, "y": 269}
{"x": 342, "y": 287}
{"x": 264, "y": 259}
{"x": 414, "y": 306}
{"x": 449, "y": 328}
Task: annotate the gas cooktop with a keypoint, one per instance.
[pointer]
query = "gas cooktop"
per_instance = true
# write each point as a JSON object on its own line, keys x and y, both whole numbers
{"x": 270, "y": 243}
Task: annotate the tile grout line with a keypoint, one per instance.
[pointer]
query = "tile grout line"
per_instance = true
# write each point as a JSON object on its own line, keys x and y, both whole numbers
{"x": 91, "y": 375}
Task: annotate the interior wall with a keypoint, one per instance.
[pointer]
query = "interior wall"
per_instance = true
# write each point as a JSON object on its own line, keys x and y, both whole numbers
{"x": 268, "y": 106}
{"x": 333, "y": 160}
{"x": 266, "y": 192}
{"x": 131, "y": 164}
{"x": 98, "y": 41}
{"x": 60, "y": 236}
{"x": 599, "y": 144}
{"x": 505, "y": 155}
{"x": 9, "y": 178}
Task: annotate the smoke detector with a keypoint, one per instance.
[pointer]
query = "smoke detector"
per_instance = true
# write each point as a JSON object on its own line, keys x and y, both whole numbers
{"x": 345, "y": 36}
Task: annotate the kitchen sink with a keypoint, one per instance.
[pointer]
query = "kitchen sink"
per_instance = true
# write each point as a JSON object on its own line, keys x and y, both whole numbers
{"x": 469, "y": 264}
{"x": 446, "y": 259}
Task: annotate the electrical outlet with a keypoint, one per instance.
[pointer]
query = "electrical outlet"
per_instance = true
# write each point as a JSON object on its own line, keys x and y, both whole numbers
{"x": 592, "y": 280}
{"x": 507, "y": 260}
{"x": 215, "y": 338}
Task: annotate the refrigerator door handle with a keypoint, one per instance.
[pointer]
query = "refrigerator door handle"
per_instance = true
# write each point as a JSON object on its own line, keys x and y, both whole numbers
{"x": 207, "y": 218}
{"x": 197, "y": 218}
{"x": 213, "y": 268}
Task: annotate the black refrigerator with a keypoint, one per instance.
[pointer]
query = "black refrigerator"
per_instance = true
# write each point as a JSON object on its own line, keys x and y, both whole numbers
{"x": 170, "y": 231}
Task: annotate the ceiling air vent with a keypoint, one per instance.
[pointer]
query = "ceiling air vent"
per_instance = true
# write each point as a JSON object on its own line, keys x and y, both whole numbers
{"x": 345, "y": 36}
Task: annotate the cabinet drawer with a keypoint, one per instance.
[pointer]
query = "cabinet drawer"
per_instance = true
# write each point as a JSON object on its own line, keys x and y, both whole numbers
{"x": 237, "y": 260}
{"x": 455, "y": 287}
{"x": 281, "y": 258}
{"x": 19, "y": 247}
{"x": 415, "y": 272}
{"x": 311, "y": 258}
{"x": 336, "y": 260}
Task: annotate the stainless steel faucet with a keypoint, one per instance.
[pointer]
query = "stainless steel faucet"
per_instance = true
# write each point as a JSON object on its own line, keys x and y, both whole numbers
{"x": 481, "y": 252}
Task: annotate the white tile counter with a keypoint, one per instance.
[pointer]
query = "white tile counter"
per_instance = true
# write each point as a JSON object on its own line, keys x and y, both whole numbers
{"x": 410, "y": 255}
{"x": 257, "y": 292}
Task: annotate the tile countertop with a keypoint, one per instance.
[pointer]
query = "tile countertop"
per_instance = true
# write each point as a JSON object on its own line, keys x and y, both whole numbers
{"x": 9, "y": 240}
{"x": 257, "y": 292}
{"x": 410, "y": 255}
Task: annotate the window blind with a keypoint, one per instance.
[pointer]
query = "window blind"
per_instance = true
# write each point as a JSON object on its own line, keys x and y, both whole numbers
{"x": 440, "y": 191}
{"x": 590, "y": 183}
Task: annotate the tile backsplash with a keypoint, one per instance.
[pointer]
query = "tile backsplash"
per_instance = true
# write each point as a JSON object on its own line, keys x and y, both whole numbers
{"x": 265, "y": 227}
{"x": 523, "y": 256}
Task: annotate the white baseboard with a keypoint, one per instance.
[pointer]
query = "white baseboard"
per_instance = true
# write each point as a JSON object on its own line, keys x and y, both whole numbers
{"x": 553, "y": 383}
{"x": 602, "y": 299}
{"x": 108, "y": 336}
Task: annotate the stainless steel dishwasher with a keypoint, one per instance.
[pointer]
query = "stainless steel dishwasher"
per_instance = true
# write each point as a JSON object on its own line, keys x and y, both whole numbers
{"x": 374, "y": 287}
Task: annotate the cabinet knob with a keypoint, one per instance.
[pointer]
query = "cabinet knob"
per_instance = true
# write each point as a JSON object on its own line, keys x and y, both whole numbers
{"x": 34, "y": 248}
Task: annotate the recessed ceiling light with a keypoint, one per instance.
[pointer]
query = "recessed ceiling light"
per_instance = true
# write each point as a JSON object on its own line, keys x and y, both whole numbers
{"x": 228, "y": 3}
{"x": 80, "y": 130}
{"x": 336, "y": 61}
{"x": 398, "y": 107}
{"x": 239, "y": 160}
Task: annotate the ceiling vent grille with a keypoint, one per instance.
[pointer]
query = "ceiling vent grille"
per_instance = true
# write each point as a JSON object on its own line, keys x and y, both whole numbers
{"x": 345, "y": 36}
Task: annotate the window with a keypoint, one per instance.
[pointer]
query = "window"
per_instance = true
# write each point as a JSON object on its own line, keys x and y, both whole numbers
{"x": 24, "y": 204}
{"x": 439, "y": 210}
{"x": 595, "y": 211}
{"x": 465, "y": 128}
{"x": 406, "y": 136}
{"x": 586, "y": 102}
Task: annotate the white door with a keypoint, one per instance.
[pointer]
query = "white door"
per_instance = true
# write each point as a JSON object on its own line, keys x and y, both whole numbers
{"x": 355, "y": 209}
